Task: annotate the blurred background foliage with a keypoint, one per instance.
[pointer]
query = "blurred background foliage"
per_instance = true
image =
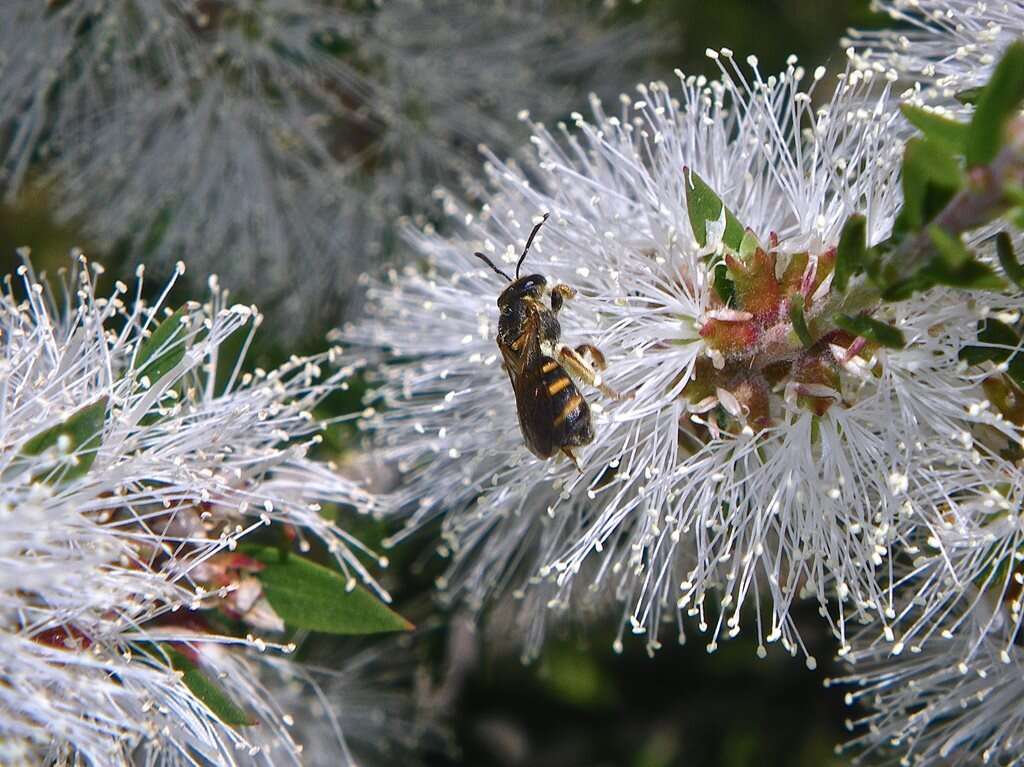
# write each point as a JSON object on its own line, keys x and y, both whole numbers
{"x": 580, "y": 704}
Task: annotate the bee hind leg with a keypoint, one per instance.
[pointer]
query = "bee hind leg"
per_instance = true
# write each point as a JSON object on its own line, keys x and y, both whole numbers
{"x": 572, "y": 457}
{"x": 586, "y": 365}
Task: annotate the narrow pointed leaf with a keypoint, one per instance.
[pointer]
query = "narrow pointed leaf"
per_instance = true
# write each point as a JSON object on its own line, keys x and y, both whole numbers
{"x": 310, "y": 596}
{"x": 796, "y": 316}
{"x": 703, "y": 205}
{"x": 1008, "y": 259}
{"x": 931, "y": 176}
{"x": 850, "y": 254}
{"x": 206, "y": 690}
{"x": 951, "y": 249}
{"x": 77, "y": 439}
{"x": 164, "y": 348}
{"x": 871, "y": 329}
{"x": 998, "y": 339}
{"x": 724, "y": 287}
{"x": 968, "y": 96}
{"x": 949, "y": 133}
{"x": 998, "y": 102}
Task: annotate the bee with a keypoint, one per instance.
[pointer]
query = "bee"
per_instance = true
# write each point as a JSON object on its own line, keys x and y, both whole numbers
{"x": 553, "y": 415}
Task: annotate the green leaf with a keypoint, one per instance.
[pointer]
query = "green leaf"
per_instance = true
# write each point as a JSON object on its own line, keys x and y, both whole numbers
{"x": 950, "y": 134}
{"x": 212, "y": 696}
{"x": 84, "y": 432}
{"x": 968, "y": 96}
{"x": 999, "y": 339}
{"x": 931, "y": 176}
{"x": 309, "y": 596}
{"x": 703, "y": 205}
{"x": 164, "y": 348}
{"x": 998, "y": 102}
{"x": 1008, "y": 259}
{"x": 851, "y": 252}
{"x": 871, "y": 329}
{"x": 951, "y": 249}
{"x": 1002, "y": 344}
{"x": 796, "y": 316}
{"x": 724, "y": 286}
{"x": 972, "y": 275}
{"x": 748, "y": 245}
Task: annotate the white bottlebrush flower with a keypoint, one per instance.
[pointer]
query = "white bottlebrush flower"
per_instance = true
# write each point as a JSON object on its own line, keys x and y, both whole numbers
{"x": 945, "y": 46}
{"x": 956, "y": 700}
{"x": 264, "y": 141}
{"x": 134, "y": 456}
{"x": 724, "y": 480}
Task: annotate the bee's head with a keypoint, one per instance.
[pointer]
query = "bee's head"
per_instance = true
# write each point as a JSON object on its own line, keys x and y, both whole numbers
{"x": 531, "y": 286}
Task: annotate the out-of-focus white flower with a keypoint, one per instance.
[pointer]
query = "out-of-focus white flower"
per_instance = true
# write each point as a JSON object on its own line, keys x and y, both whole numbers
{"x": 134, "y": 456}
{"x": 944, "y": 46}
{"x": 264, "y": 142}
{"x": 956, "y": 700}
{"x": 725, "y": 482}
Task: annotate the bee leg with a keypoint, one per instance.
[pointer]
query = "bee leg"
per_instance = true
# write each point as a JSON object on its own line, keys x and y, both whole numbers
{"x": 579, "y": 366}
{"x": 593, "y": 355}
{"x": 560, "y": 294}
{"x": 572, "y": 458}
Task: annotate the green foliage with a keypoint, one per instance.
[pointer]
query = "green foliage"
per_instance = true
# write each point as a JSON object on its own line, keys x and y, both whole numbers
{"x": 310, "y": 596}
{"x": 724, "y": 287}
{"x": 703, "y": 205}
{"x": 931, "y": 176}
{"x": 796, "y": 316}
{"x": 871, "y": 329}
{"x": 945, "y": 132}
{"x": 164, "y": 348}
{"x": 83, "y": 432}
{"x": 1008, "y": 259}
{"x": 851, "y": 254}
{"x": 999, "y": 343}
{"x": 204, "y": 688}
{"x": 997, "y": 103}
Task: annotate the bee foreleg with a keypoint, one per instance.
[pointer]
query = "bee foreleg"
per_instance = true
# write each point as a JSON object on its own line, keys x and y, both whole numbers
{"x": 560, "y": 294}
{"x": 584, "y": 369}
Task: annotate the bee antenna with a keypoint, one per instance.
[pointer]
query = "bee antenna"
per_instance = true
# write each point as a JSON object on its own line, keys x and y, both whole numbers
{"x": 488, "y": 261}
{"x": 529, "y": 242}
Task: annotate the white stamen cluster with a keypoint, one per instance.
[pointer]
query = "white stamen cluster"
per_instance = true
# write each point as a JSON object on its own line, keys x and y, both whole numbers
{"x": 683, "y": 510}
{"x": 939, "y": 47}
{"x": 112, "y": 539}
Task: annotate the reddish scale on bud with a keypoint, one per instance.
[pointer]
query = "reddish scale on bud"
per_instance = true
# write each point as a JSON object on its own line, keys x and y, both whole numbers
{"x": 817, "y": 369}
{"x": 702, "y": 383}
{"x": 757, "y": 289}
{"x": 826, "y": 265}
{"x": 730, "y": 337}
{"x": 64, "y": 638}
{"x": 793, "y": 274}
{"x": 753, "y": 395}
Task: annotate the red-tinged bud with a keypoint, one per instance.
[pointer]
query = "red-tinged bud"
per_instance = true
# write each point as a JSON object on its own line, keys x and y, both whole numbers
{"x": 757, "y": 289}
{"x": 730, "y": 337}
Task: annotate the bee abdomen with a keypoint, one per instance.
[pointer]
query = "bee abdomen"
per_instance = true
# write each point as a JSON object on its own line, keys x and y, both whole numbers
{"x": 570, "y": 413}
